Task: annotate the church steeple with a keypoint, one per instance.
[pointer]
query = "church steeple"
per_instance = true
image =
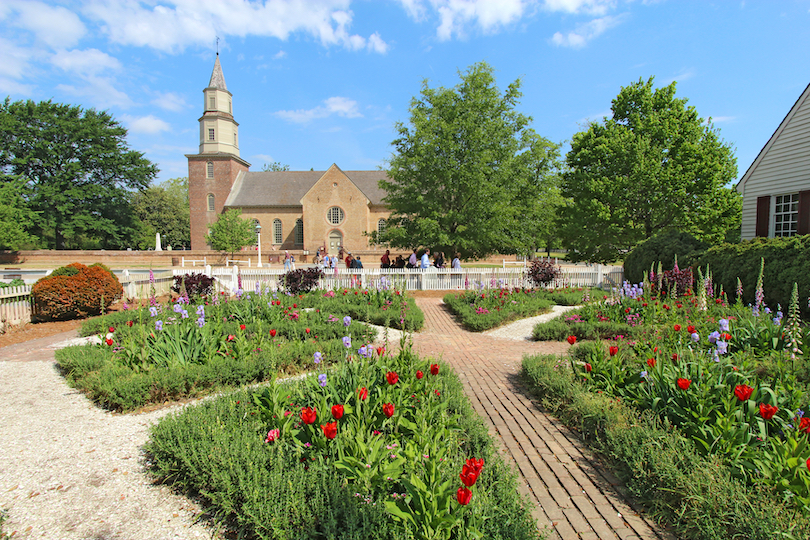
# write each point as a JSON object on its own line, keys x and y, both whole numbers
{"x": 219, "y": 132}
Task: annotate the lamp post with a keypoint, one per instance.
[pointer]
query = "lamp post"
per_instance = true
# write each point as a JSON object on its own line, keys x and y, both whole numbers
{"x": 259, "y": 242}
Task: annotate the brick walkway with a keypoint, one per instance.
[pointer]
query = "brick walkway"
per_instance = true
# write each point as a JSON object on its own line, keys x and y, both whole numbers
{"x": 574, "y": 496}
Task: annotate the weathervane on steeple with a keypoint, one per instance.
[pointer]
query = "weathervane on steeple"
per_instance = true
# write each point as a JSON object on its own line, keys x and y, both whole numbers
{"x": 217, "y": 45}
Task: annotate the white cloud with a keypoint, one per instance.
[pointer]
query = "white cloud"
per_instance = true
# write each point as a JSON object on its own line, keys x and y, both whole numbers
{"x": 456, "y": 15}
{"x": 170, "y": 101}
{"x": 585, "y": 32}
{"x": 55, "y": 26}
{"x": 11, "y": 87}
{"x": 684, "y": 75}
{"x": 376, "y": 44}
{"x": 145, "y": 124}
{"x": 279, "y": 55}
{"x": 175, "y": 24}
{"x": 339, "y": 106}
{"x": 591, "y": 7}
{"x": 99, "y": 91}
{"x": 86, "y": 62}
{"x": 722, "y": 119}
{"x": 15, "y": 60}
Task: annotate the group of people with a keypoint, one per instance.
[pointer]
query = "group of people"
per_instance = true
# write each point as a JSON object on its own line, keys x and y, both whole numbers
{"x": 323, "y": 260}
{"x": 423, "y": 262}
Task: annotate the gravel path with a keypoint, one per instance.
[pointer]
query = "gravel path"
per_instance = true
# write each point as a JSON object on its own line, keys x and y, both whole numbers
{"x": 522, "y": 330}
{"x": 69, "y": 470}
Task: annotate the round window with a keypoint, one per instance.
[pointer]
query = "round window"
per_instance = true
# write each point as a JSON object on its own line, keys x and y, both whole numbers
{"x": 335, "y": 215}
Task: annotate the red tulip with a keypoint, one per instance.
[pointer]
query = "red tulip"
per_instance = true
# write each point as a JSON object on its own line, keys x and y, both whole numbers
{"x": 726, "y": 336}
{"x": 362, "y": 393}
{"x": 613, "y": 350}
{"x": 690, "y": 329}
{"x": 329, "y": 430}
{"x": 572, "y": 340}
{"x": 337, "y": 411}
{"x": 111, "y": 330}
{"x": 130, "y": 323}
{"x": 109, "y": 341}
{"x": 308, "y": 415}
{"x": 231, "y": 337}
{"x": 388, "y": 410}
{"x": 464, "y": 495}
{"x": 743, "y": 392}
{"x": 272, "y": 332}
{"x": 419, "y": 374}
{"x": 468, "y": 476}
{"x": 674, "y": 357}
{"x": 683, "y": 384}
{"x": 588, "y": 367}
{"x": 804, "y": 425}
{"x": 651, "y": 362}
{"x": 392, "y": 377}
{"x": 476, "y": 464}
{"x": 677, "y": 327}
{"x": 380, "y": 351}
{"x": 306, "y": 330}
{"x": 241, "y": 327}
{"x": 434, "y": 369}
{"x": 767, "y": 411}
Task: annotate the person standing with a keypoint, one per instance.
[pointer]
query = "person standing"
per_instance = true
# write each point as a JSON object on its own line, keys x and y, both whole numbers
{"x": 385, "y": 260}
{"x": 439, "y": 260}
{"x": 287, "y": 261}
{"x": 456, "y": 265}
{"x": 425, "y": 263}
{"x": 412, "y": 262}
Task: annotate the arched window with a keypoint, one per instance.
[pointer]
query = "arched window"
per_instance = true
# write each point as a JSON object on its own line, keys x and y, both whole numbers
{"x": 277, "y": 236}
{"x": 380, "y": 226}
{"x": 335, "y": 215}
{"x": 211, "y": 202}
{"x": 209, "y": 169}
{"x": 299, "y": 231}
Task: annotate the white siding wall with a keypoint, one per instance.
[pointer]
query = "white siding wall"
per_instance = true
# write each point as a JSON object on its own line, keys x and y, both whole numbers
{"x": 784, "y": 168}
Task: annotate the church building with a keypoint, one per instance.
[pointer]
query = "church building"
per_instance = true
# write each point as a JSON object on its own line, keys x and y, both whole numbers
{"x": 298, "y": 211}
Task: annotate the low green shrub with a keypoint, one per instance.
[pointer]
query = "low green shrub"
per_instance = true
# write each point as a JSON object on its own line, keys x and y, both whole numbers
{"x": 482, "y": 310}
{"x": 695, "y": 494}
{"x": 75, "y": 291}
{"x": 560, "y": 328}
{"x": 16, "y": 282}
{"x": 662, "y": 248}
{"x": 300, "y": 483}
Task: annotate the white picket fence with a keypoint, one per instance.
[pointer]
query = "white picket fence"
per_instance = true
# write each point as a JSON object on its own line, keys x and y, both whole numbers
{"x": 15, "y": 305}
{"x": 446, "y": 279}
{"x": 15, "y": 302}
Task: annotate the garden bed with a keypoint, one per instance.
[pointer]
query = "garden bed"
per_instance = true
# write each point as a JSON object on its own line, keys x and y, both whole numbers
{"x": 485, "y": 309}
{"x": 699, "y": 405}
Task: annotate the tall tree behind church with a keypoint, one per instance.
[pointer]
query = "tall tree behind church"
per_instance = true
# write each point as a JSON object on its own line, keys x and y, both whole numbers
{"x": 468, "y": 173}
{"x": 78, "y": 169}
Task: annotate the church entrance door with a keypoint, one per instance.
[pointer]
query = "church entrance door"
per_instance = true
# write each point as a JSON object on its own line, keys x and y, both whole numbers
{"x": 335, "y": 241}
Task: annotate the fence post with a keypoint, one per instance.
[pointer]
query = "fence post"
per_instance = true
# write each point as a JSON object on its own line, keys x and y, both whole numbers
{"x": 234, "y": 278}
{"x": 599, "y": 276}
{"x": 207, "y": 271}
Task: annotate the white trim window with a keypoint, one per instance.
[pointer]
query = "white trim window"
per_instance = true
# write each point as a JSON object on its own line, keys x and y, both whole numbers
{"x": 299, "y": 232}
{"x": 211, "y": 206}
{"x": 380, "y": 226}
{"x": 335, "y": 215}
{"x": 785, "y": 214}
{"x": 209, "y": 169}
{"x": 277, "y": 236}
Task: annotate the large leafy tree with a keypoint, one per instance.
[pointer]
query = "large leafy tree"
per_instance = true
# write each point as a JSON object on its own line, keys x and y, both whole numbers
{"x": 468, "y": 174}
{"x": 231, "y": 232}
{"x": 654, "y": 165}
{"x": 164, "y": 209}
{"x": 15, "y": 217}
{"x": 79, "y": 172}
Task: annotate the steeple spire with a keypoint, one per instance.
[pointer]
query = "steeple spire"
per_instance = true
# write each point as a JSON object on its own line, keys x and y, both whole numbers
{"x": 217, "y": 78}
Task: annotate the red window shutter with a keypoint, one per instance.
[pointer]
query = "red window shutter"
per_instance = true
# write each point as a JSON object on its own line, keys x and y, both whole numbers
{"x": 763, "y": 215}
{"x": 803, "y": 226}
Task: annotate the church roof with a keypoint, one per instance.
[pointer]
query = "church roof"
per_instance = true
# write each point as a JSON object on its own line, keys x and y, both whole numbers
{"x": 287, "y": 188}
{"x": 217, "y": 78}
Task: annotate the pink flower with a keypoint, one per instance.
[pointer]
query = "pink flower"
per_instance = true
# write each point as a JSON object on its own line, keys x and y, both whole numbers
{"x": 272, "y": 435}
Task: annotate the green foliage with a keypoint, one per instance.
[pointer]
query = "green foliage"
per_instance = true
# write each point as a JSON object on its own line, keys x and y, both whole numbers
{"x": 653, "y": 165}
{"x": 482, "y": 310}
{"x": 303, "y": 485}
{"x": 468, "y": 174}
{"x": 15, "y": 216}
{"x": 79, "y": 173}
{"x": 164, "y": 209}
{"x": 16, "y": 282}
{"x": 664, "y": 248}
{"x": 786, "y": 263}
{"x": 231, "y": 233}
{"x": 276, "y": 166}
{"x": 388, "y": 308}
{"x": 696, "y": 494}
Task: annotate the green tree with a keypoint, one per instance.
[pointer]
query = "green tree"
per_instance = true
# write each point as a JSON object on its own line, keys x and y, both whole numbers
{"x": 654, "y": 165}
{"x": 78, "y": 169}
{"x": 230, "y": 232}
{"x": 275, "y": 166}
{"x": 164, "y": 209}
{"x": 15, "y": 217}
{"x": 468, "y": 174}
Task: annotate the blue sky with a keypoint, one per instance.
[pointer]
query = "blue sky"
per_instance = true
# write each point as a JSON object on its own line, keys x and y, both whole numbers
{"x": 317, "y": 82}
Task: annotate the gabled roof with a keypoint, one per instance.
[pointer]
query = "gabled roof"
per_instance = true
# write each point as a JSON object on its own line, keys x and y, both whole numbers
{"x": 774, "y": 137}
{"x": 287, "y": 188}
{"x": 217, "y": 78}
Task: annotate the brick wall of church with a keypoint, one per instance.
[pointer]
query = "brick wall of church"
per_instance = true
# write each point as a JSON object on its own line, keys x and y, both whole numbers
{"x": 226, "y": 168}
